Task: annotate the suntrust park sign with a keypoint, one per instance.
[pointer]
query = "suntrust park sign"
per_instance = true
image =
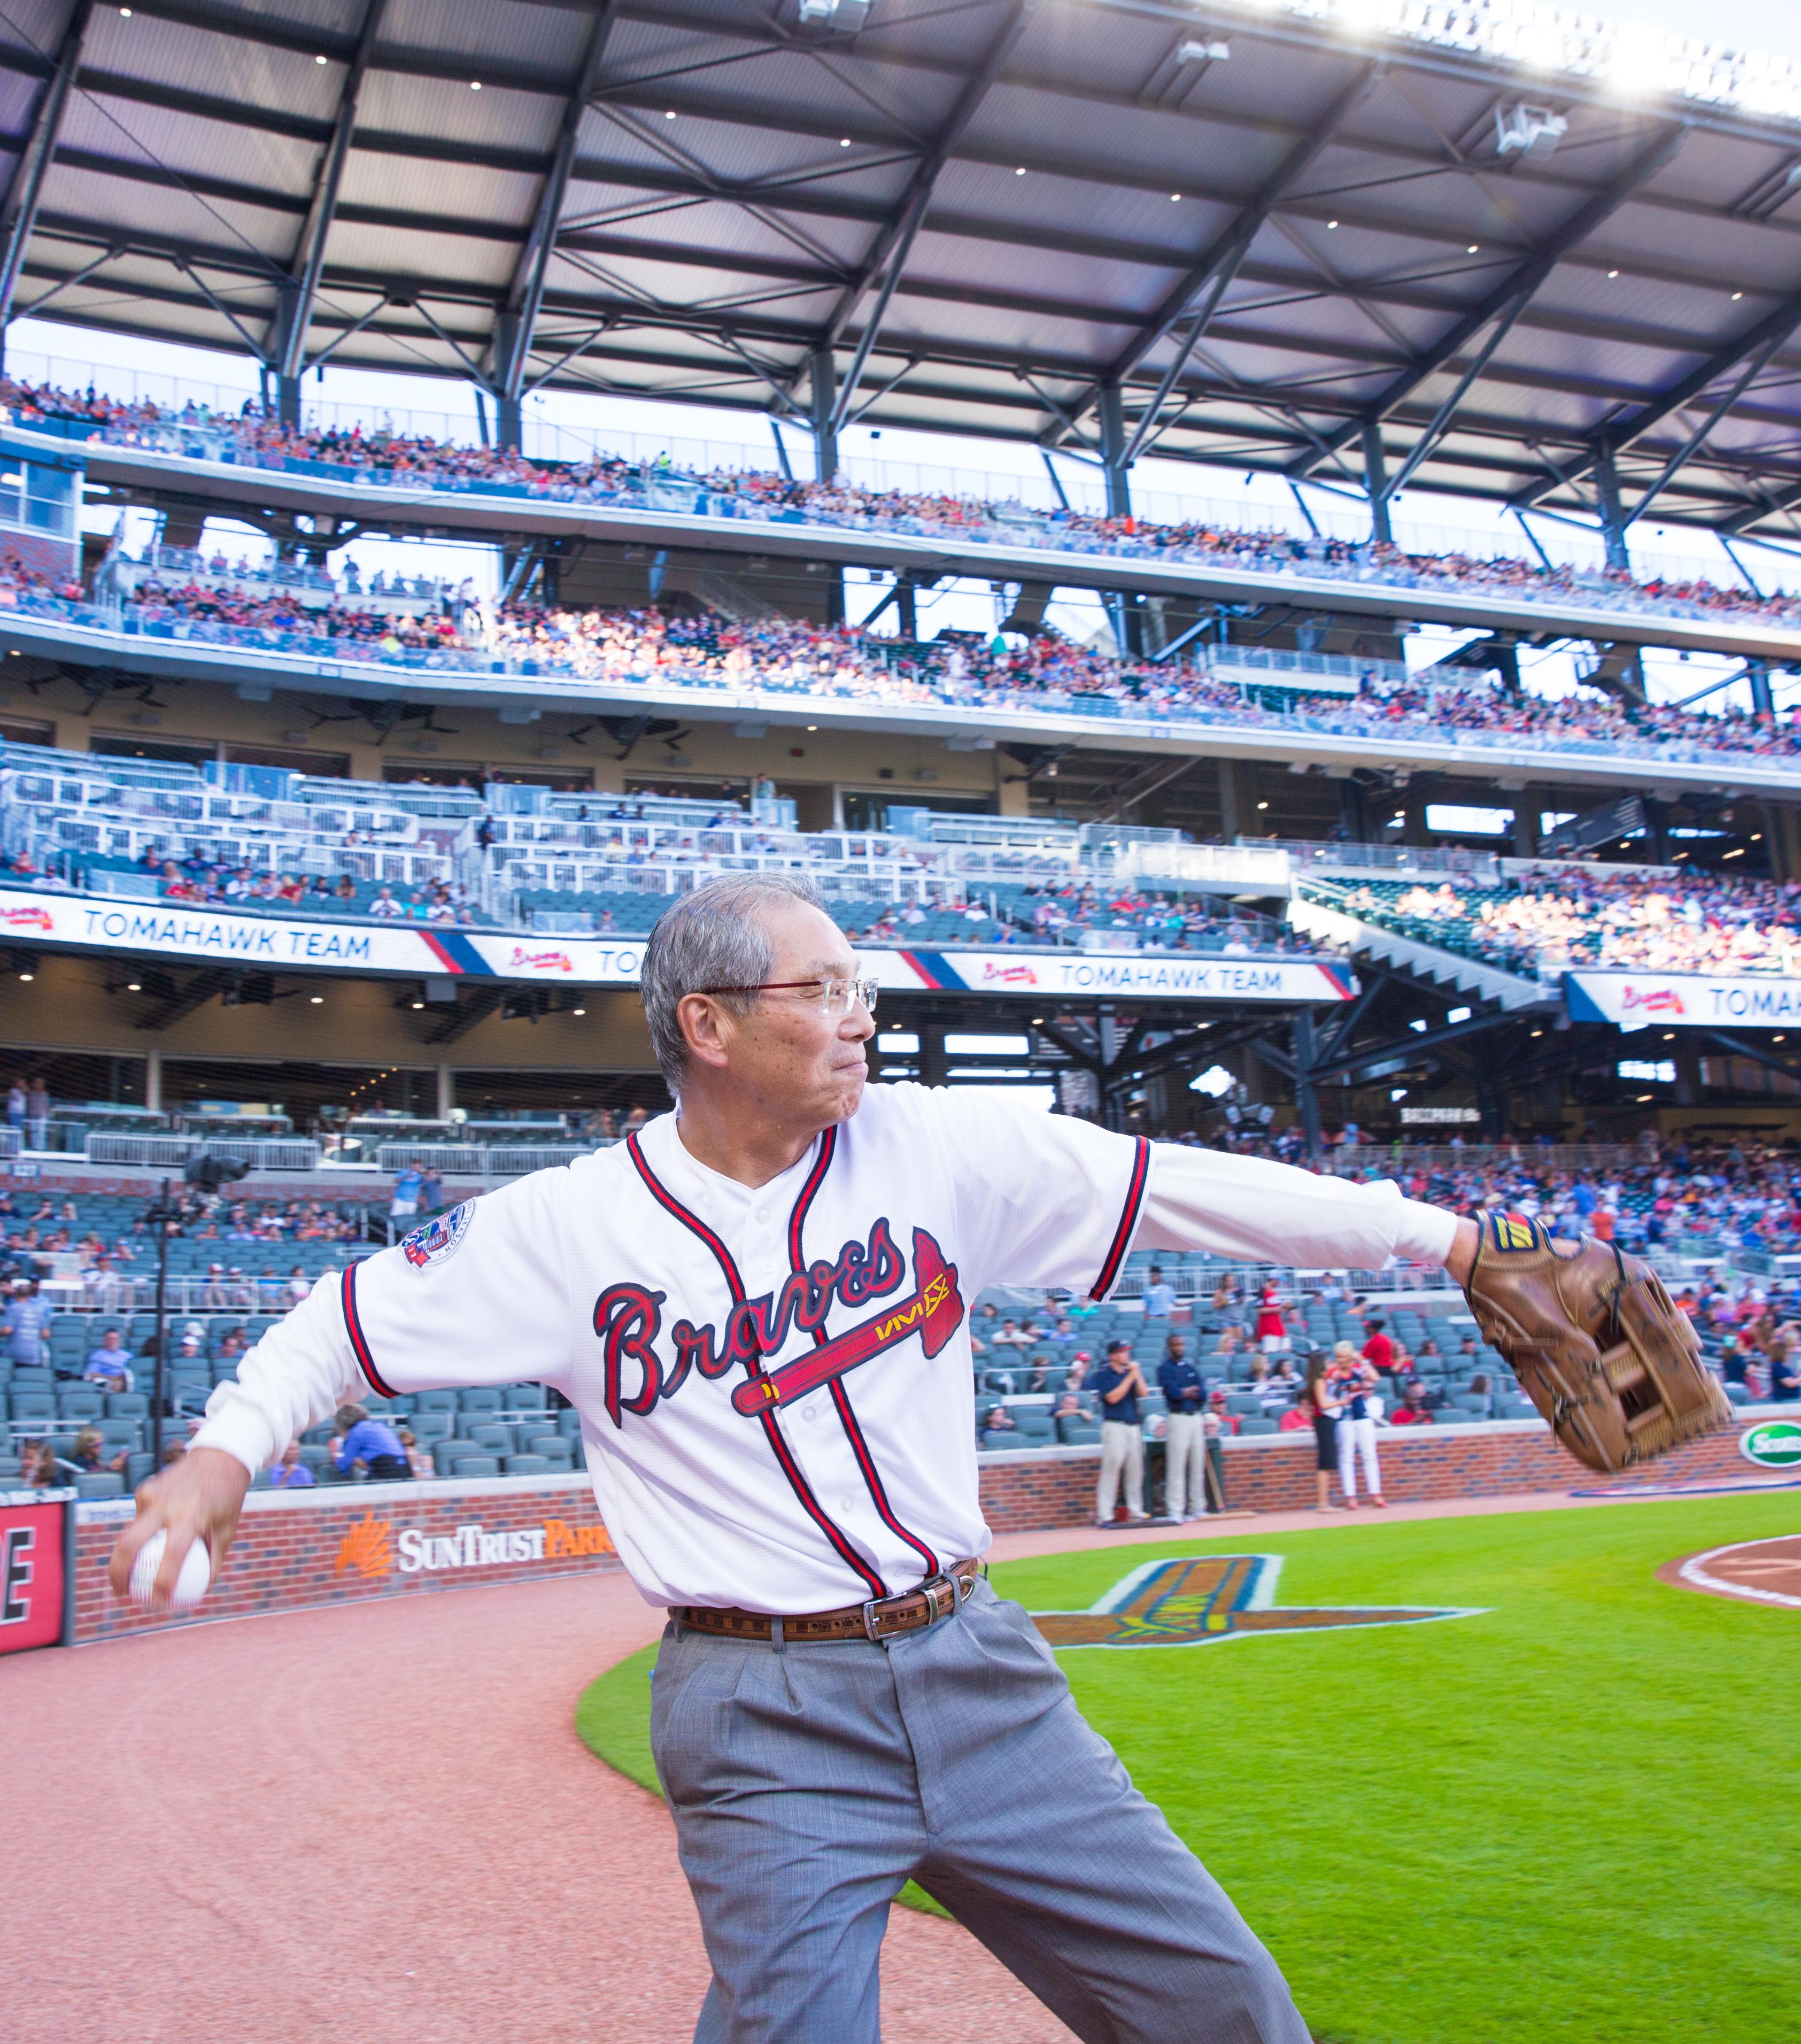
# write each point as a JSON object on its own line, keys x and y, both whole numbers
{"x": 1680, "y": 1000}
{"x": 168, "y": 929}
{"x": 371, "y": 1547}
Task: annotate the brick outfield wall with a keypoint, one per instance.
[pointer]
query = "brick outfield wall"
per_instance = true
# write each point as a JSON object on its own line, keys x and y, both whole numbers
{"x": 346, "y": 1544}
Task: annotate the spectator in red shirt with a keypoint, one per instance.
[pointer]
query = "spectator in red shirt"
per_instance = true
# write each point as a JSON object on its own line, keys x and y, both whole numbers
{"x": 1413, "y": 1410}
{"x": 1378, "y": 1351}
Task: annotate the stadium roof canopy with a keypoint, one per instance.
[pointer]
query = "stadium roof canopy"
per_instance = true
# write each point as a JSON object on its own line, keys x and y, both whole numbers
{"x": 1483, "y": 243}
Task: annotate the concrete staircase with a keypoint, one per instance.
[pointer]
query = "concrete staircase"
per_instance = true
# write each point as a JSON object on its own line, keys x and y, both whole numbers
{"x": 1312, "y": 913}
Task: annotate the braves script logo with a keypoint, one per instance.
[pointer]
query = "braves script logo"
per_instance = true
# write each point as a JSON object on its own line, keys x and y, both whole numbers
{"x": 1212, "y": 1597}
{"x": 28, "y": 919}
{"x": 1660, "y": 1000}
{"x": 539, "y": 961}
{"x": 628, "y": 1319}
{"x": 1007, "y": 975}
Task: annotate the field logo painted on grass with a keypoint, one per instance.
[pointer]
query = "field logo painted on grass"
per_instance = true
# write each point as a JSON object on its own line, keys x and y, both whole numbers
{"x": 1210, "y": 1598}
{"x": 1774, "y": 1444}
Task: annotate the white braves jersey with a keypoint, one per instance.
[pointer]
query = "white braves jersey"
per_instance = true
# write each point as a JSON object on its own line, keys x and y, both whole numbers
{"x": 776, "y": 1386}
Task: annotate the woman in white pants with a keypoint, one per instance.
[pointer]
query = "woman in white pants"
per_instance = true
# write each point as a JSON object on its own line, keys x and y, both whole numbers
{"x": 1357, "y": 1427}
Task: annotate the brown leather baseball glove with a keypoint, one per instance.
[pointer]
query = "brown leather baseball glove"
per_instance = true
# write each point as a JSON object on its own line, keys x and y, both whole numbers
{"x": 1596, "y": 1341}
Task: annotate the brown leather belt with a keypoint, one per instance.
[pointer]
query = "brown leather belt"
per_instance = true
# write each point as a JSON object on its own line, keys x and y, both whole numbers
{"x": 937, "y": 1597}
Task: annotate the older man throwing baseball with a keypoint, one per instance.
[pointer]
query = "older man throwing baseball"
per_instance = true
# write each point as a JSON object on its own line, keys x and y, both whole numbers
{"x": 759, "y": 1305}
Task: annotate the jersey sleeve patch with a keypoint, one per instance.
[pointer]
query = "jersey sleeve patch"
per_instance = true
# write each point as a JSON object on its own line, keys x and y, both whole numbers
{"x": 438, "y": 1239}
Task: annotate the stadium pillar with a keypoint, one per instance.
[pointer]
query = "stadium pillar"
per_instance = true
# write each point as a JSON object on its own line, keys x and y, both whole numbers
{"x": 824, "y": 379}
{"x": 1354, "y": 812}
{"x": 1657, "y": 832}
{"x": 508, "y": 414}
{"x": 1229, "y": 823}
{"x": 1128, "y": 626}
{"x": 153, "y": 1081}
{"x": 447, "y": 1092}
{"x": 287, "y": 403}
{"x": 1376, "y": 483}
{"x": 1762, "y": 699}
{"x": 1526, "y": 824}
{"x": 1113, "y": 461}
{"x": 1506, "y": 654}
{"x": 1306, "y": 1094}
{"x": 933, "y": 1062}
{"x": 906, "y": 609}
{"x": 1613, "y": 518}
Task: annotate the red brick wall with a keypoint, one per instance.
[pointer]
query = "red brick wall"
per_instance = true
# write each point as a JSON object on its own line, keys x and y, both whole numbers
{"x": 335, "y": 1546}
{"x": 1274, "y": 1472}
{"x": 343, "y": 1545}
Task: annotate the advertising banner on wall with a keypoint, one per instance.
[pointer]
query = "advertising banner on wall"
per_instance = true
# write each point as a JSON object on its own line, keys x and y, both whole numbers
{"x": 1681, "y": 1001}
{"x": 1140, "y": 975}
{"x": 272, "y": 944}
{"x": 33, "y": 1572}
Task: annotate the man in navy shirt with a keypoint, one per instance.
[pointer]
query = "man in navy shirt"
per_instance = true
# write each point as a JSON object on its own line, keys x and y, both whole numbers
{"x": 1186, "y": 1396}
{"x": 1120, "y": 1385}
{"x": 371, "y": 1442}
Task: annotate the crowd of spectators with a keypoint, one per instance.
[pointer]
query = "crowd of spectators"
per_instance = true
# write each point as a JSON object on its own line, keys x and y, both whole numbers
{"x": 383, "y": 455}
{"x": 36, "y": 1233}
{"x": 431, "y": 624}
{"x": 1565, "y": 916}
{"x": 697, "y": 648}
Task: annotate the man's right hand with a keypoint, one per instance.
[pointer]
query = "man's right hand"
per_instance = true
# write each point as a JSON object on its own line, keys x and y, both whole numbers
{"x": 198, "y": 1498}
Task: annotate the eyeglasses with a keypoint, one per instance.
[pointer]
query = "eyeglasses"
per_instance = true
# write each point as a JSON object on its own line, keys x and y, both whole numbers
{"x": 836, "y": 996}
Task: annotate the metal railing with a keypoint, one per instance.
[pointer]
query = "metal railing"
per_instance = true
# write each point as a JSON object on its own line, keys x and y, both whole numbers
{"x": 291, "y": 1152}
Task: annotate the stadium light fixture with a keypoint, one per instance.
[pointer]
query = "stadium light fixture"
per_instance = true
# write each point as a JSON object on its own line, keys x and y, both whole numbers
{"x": 134, "y": 986}
{"x": 1622, "y": 56}
{"x": 318, "y": 1001}
{"x": 475, "y": 85}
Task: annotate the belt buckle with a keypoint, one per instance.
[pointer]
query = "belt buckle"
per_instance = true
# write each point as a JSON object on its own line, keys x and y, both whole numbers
{"x": 869, "y": 1632}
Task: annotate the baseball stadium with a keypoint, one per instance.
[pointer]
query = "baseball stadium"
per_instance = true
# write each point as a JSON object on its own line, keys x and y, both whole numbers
{"x": 900, "y": 999}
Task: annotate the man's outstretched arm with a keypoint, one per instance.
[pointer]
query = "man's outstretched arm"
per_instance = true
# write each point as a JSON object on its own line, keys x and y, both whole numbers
{"x": 1249, "y": 1208}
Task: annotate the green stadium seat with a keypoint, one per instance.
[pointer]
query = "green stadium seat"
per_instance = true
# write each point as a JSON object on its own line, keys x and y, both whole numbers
{"x": 475, "y": 1465}
{"x": 526, "y": 1465}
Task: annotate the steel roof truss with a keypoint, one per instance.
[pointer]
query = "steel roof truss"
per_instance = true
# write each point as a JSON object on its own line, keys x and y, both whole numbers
{"x": 33, "y": 166}
{"x": 893, "y": 243}
{"x": 293, "y": 313}
{"x": 515, "y": 330}
{"x": 1524, "y": 282}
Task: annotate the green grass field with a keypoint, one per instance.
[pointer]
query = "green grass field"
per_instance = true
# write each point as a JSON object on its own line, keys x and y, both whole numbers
{"x": 1569, "y": 1820}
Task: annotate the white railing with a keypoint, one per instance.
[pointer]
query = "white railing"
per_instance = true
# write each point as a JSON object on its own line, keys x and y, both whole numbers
{"x": 292, "y": 1153}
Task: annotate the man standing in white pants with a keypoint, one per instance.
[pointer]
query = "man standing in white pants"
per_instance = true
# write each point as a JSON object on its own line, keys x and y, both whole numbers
{"x": 1121, "y": 1384}
{"x": 1184, "y": 1444}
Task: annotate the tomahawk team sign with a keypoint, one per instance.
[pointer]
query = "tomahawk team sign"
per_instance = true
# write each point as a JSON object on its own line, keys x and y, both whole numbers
{"x": 1681, "y": 1001}
{"x": 273, "y": 943}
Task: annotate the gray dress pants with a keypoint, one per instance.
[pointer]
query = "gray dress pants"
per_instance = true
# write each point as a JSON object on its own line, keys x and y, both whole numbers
{"x": 808, "y": 1785}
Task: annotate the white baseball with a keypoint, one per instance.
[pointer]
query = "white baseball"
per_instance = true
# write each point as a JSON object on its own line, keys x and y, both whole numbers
{"x": 190, "y": 1583}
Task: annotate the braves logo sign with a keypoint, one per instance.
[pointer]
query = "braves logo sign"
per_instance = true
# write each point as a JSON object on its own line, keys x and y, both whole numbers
{"x": 1660, "y": 1000}
{"x": 28, "y": 919}
{"x": 629, "y": 1319}
{"x": 553, "y": 961}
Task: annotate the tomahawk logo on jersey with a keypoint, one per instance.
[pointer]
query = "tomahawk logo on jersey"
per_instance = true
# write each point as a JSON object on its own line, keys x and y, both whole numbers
{"x": 776, "y": 1384}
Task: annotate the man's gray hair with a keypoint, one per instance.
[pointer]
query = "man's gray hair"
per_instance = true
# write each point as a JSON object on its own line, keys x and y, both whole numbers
{"x": 714, "y": 937}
